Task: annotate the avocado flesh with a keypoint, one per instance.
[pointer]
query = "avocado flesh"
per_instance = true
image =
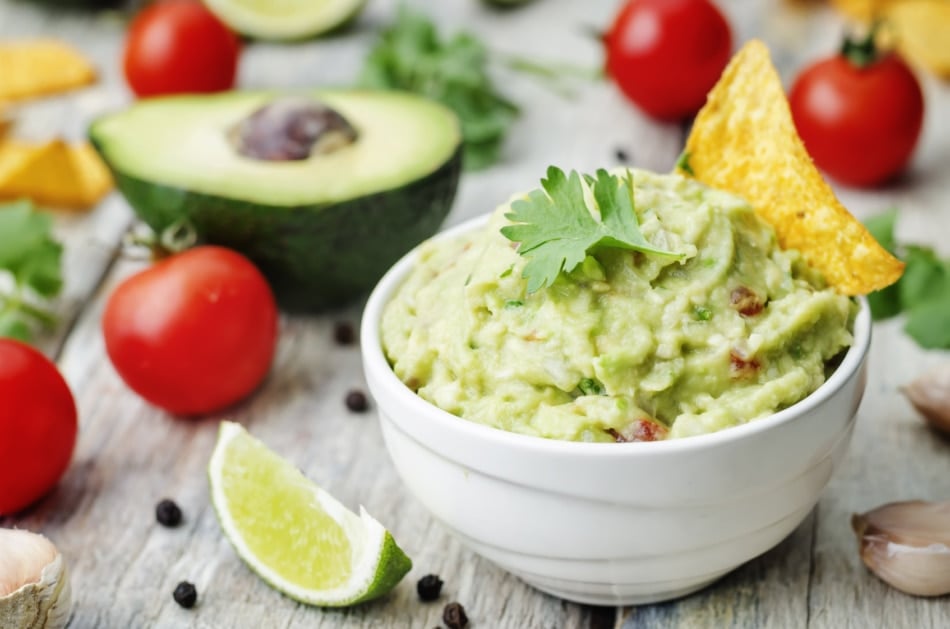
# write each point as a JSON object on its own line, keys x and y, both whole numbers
{"x": 183, "y": 142}
{"x": 323, "y": 230}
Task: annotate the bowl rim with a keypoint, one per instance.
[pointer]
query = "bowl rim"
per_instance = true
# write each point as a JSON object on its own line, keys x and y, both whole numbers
{"x": 376, "y": 365}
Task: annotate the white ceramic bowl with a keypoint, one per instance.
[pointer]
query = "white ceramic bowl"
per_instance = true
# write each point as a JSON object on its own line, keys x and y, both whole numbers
{"x": 608, "y": 523}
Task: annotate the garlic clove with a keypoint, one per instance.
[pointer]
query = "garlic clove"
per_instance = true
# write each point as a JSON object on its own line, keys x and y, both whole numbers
{"x": 930, "y": 395}
{"x": 34, "y": 585}
{"x": 907, "y": 545}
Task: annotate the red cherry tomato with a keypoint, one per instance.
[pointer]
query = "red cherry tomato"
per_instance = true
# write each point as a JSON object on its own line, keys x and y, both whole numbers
{"x": 665, "y": 55}
{"x": 859, "y": 123}
{"x": 179, "y": 46}
{"x": 37, "y": 425}
{"x": 194, "y": 333}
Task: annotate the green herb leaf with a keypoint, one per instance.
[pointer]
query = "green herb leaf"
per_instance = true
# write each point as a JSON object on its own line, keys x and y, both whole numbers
{"x": 882, "y": 228}
{"x": 929, "y": 323}
{"x": 31, "y": 257}
{"x": 555, "y": 228}
{"x": 926, "y": 276}
{"x": 884, "y": 303}
{"x": 923, "y": 291}
{"x": 589, "y": 386}
{"x": 682, "y": 163}
{"x": 410, "y": 55}
{"x": 702, "y": 313}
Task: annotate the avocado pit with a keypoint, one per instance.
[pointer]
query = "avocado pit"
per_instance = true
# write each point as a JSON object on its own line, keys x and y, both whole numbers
{"x": 292, "y": 129}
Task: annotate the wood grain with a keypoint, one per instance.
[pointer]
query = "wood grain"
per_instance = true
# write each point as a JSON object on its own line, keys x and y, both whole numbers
{"x": 130, "y": 455}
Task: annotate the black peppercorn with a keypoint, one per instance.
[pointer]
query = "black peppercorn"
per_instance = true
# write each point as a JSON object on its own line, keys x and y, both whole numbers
{"x": 621, "y": 155}
{"x": 167, "y": 513}
{"x": 454, "y": 616}
{"x": 343, "y": 333}
{"x": 185, "y": 595}
{"x": 429, "y": 587}
{"x": 356, "y": 401}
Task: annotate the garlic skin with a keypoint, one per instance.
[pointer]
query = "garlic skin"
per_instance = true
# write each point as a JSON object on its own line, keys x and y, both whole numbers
{"x": 34, "y": 585}
{"x": 907, "y": 545}
{"x": 930, "y": 395}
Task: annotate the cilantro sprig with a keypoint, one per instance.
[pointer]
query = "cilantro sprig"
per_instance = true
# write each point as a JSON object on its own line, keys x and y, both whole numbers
{"x": 29, "y": 269}
{"x": 922, "y": 292}
{"x": 410, "y": 55}
{"x": 556, "y": 229}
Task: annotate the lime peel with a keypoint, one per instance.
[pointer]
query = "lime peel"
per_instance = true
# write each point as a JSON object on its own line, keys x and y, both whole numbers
{"x": 372, "y": 563}
{"x": 286, "y": 19}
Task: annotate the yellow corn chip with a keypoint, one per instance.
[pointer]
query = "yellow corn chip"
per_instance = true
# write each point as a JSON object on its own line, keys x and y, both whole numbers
{"x": 94, "y": 178}
{"x": 5, "y": 120}
{"x": 922, "y": 28}
{"x": 862, "y": 10}
{"x": 13, "y": 156}
{"x": 52, "y": 174}
{"x": 41, "y": 66}
{"x": 744, "y": 141}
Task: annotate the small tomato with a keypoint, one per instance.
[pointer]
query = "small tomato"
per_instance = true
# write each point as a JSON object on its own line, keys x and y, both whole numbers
{"x": 179, "y": 46}
{"x": 37, "y": 425}
{"x": 665, "y": 55}
{"x": 195, "y": 332}
{"x": 859, "y": 113}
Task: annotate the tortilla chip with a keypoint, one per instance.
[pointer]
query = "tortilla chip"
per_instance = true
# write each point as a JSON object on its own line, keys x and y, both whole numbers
{"x": 41, "y": 66}
{"x": 922, "y": 29}
{"x": 6, "y": 121}
{"x": 94, "y": 178}
{"x": 744, "y": 141}
{"x": 13, "y": 156}
{"x": 861, "y": 10}
{"x": 52, "y": 174}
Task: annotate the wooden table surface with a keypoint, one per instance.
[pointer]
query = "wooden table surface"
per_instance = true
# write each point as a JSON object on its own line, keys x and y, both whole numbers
{"x": 129, "y": 455}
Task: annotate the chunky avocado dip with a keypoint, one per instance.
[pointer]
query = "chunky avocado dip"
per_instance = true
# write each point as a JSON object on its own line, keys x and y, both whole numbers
{"x": 627, "y": 345}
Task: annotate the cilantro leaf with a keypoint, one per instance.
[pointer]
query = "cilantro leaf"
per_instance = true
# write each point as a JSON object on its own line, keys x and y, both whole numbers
{"x": 31, "y": 258}
{"x": 682, "y": 164}
{"x": 885, "y": 303}
{"x": 556, "y": 229}
{"x": 929, "y": 323}
{"x": 922, "y": 292}
{"x": 410, "y": 55}
{"x": 882, "y": 228}
{"x": 925, "y": 276}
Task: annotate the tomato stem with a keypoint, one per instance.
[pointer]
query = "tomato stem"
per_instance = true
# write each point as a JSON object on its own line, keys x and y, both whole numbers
{"x": 16, "y": 304}
{"x": 862, "y": 51}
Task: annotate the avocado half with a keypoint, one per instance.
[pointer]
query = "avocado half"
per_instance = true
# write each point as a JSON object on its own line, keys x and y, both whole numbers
{"x": 322, "y": 229}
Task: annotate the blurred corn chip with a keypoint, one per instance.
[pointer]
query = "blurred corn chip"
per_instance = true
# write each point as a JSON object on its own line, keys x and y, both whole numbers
{"x": 744, "y": 141}
{"x": 6, "y": 120}
{"x": 41, "y": 66}
{"x": 13, "y": 156}
{"x": 922, "y": 29}
{"x": 94, "y": 178}
{"x": 53, "y": 174}
{"x": 861, "y": 10}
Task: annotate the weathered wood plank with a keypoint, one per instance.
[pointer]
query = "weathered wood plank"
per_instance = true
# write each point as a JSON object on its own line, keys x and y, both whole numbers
{"x": 90, "y": 238}
{"x": 893, "y": 457}
{"x": 815, "y": 577}
{"x": 124, "y": 566}
{"x": 129, "y": 455}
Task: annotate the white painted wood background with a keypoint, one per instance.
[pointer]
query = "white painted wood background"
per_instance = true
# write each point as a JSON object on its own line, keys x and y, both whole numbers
{"x": 129, "y": 455}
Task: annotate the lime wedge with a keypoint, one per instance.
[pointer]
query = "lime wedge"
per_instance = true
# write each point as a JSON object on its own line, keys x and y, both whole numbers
{"x": 295, "y": 536}
{"x": 284, "y": 19}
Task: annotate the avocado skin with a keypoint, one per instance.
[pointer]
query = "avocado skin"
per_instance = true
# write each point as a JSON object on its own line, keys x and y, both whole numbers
{"x": 316, "y": 257}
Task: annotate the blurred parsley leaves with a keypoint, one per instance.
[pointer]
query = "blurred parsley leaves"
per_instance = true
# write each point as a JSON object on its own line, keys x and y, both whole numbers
{"x": 410, "y": 55}
{"x": 29, "y": 269}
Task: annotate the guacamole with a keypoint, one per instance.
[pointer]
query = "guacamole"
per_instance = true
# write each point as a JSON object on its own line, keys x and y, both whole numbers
{"x": 628, "y": 346}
